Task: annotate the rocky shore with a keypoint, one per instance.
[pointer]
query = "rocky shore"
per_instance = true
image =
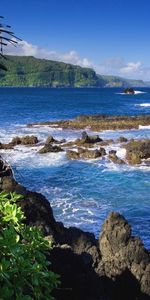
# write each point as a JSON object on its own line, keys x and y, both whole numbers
{"x": 114, "y": 267}
{"x": 88, "y": 147}
{"x": 99, "y": 122}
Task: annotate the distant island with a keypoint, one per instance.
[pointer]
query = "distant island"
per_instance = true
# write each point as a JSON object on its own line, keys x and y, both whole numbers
{"x": 33, "y": 72}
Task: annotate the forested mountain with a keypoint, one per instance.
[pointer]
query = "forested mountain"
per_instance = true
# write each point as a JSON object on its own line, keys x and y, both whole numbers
{"x": 31, "y": 71}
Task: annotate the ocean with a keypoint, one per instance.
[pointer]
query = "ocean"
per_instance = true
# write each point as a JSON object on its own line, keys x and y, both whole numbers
{"x": 82, "y": 193}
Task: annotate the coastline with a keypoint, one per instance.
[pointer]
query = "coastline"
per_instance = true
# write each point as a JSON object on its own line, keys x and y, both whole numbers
{"x": 117, "y": 266}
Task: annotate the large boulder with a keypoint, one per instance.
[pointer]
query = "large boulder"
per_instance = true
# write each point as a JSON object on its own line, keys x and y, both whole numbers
{"x": 49, "y": 148}
{"x": 82, "y": 153}
{"x": 114, "y": 158}
{"x": 25, "y": 140}
{"x": 137, "y": 150}
{"x": 124, "y": 255}
{"x": 122, "y": 139}
{"x": 90, "y": 139}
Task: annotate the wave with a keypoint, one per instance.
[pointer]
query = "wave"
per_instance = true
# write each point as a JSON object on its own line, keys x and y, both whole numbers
{"x": 144, "y": 127}
{"x": 143, "y": 104}
{"x": 139, "y": 92}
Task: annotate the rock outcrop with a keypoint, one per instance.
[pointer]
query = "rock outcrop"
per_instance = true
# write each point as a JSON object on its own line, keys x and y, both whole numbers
{"x": 137, "y": 150}
{"x": 123, "y": 254}
{"x": 100, "y": 122}
{"x": 49, "y": 148}
{"x": 114, "y": 158}
{"x": 82, "y": 153}
{"x": 27, "y": 140}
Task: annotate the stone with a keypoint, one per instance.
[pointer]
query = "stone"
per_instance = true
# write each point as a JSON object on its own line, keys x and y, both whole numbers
{"x": 82, "y": 153}
{"x": 25, "y": 140}
{"x": 49, "y": 148}
{"x": 137, "y": 150}
{"x": 114, "y": 158}
{"x": 124, "y": 255}
{"x": 122, "y": 139}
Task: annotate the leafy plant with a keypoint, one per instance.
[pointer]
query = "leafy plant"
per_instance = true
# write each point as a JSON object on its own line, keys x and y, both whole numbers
{"x": 24, "y": 270}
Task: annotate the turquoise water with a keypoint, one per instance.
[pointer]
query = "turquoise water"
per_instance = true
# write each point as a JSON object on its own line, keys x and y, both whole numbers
{"x": 81, "y": 193}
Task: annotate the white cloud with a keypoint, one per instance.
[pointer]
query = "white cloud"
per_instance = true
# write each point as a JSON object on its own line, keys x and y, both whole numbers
{"x": 119, "y": 67}
{"x": 27, "y": 49}
{"x": 131, "y": 68}
{"x": 114, "y": 66}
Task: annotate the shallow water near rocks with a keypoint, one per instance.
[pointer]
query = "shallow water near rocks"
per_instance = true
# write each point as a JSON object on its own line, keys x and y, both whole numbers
{"x": 82, "y": 193}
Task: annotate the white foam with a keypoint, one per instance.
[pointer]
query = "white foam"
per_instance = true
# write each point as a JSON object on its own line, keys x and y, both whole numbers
{"x": 139, "y": 92}
{"x": 144, "y": 127}
{"x": 143, "y": 104}
{"x": 28, "y": 157}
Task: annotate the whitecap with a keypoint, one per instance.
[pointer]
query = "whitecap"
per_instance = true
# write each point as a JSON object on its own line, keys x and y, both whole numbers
{"x": 143, "y": 104}
{"x": 144, "y": 127}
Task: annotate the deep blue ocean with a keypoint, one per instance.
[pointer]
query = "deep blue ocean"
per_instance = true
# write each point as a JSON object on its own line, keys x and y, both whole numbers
{"x": 82, "y": 193}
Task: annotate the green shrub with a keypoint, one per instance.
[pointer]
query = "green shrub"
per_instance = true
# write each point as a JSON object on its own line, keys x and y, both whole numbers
{"x": 24, "y": 270}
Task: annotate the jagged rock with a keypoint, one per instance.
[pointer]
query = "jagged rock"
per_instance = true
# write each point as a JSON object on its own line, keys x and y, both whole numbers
{"x": 72, "y": 154}
{"x": 85, "y": 153}
{"x": 122, "y": 139}
{"x": 25, "y": 140}
{"x": 123, "y": 253}
{"x": 129, "y": 91}
{"x": 114, "y": 158}
{"x": 49, "y": 148}
{"x": 137, "y": 150}
{"x": 5, "y": 169}
{"x": 90, "y": 139}
{"x": 50, "y": 140}
{"x": 6, "y": 146}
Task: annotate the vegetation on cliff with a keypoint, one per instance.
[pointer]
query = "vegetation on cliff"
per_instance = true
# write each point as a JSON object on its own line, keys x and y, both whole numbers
{"x": 31, "y": 71}
{"x": 24, "y": 270}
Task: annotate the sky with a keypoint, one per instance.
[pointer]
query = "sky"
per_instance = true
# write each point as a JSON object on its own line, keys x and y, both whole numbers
{"x": 110, "y": 36}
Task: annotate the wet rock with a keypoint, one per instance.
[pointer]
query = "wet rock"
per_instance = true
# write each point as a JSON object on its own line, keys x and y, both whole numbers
{"x": 114, "y": 158}
{"x": 129, "y": 91}
{"x": 50, "y": 140}
{"x": 49, "y": 148}
{"x": 137, "y": 150}
{"x": 72, "y": 154}
{"x": 25, "y": 140}
{"x": 6, "y": 146}
{"x": 90, "y": 139}
{"x": 82, "y": 153}
{"x": 100, "y": 122}
{"x": 122, "y": 139}
{"x": 5, "y": 169}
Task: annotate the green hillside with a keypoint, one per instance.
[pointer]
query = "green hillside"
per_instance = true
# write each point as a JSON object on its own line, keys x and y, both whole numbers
{"x": 31, "y": 71}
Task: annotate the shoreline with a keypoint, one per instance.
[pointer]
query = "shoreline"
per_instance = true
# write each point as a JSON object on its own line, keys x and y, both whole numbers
{"x": 100, "y": 263}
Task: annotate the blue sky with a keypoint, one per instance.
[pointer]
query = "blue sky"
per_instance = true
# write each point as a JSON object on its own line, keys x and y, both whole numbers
{"x": 111, "y": 36}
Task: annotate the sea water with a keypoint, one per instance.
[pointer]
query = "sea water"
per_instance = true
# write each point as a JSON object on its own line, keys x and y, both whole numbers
{"x": 82, "y": 193}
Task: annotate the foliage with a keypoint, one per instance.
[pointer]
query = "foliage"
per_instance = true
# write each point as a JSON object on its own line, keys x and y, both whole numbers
{"x": 24, "y": 270}
{"x": 6, "y": 37}
{"x": 30, "y": 71}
